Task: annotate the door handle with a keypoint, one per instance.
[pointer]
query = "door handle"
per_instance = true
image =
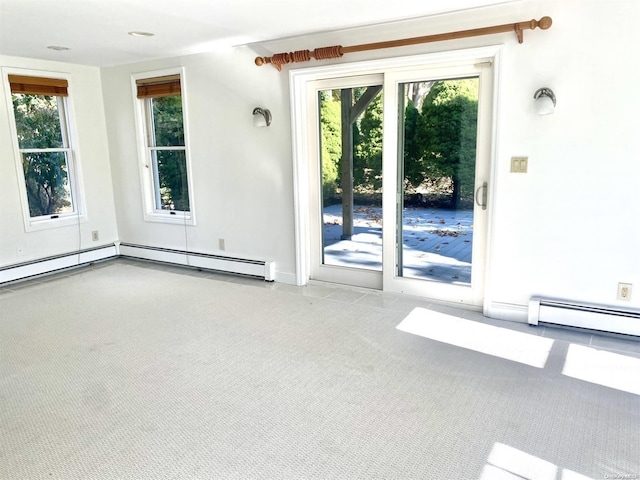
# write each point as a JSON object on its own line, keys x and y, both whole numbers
{"x": 482, "y": 197}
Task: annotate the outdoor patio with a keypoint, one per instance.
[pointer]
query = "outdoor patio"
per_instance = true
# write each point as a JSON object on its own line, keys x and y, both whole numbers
{"x": 437, "y": 243}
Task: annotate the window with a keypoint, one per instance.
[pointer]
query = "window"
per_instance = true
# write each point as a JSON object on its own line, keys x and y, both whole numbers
{"x": 46, "y": 161}
{"x": 165, "y": 169}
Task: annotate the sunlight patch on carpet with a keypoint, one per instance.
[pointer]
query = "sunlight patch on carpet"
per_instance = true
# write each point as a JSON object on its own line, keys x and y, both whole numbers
{"x": 605, "y": 368}
{"x": 508, "y": 463}
{"x": 500, "y": 342}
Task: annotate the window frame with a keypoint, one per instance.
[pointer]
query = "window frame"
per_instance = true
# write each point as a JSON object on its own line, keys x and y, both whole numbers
{"x": 69, "y": 135}
{"x": 144, "y": 132}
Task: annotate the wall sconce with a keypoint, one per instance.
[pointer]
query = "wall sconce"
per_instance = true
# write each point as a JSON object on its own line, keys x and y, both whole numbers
{"x": 545, "y": 101}
{"x": 261, "y": 117}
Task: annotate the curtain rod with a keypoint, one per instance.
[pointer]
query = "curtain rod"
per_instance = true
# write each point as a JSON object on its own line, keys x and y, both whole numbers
{"x": 337, "y": 51}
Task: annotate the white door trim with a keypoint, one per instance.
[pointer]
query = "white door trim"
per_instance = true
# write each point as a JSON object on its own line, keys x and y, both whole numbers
{"x": 298, "y": 79}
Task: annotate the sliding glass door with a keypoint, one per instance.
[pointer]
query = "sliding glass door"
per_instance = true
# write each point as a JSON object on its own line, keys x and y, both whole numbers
{"x": 399, "y": 165}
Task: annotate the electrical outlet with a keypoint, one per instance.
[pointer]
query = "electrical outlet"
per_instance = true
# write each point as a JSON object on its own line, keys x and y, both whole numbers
{"x": 94, "y": 236}
{"x": 221, "y": 244}
{"x": 624, "y": 291}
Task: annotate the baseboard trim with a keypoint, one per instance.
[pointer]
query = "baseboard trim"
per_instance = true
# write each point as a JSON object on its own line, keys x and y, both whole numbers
{"x": 507, "y": 311}
{"x": 55, "y": 263}
{"x": 230, "y": 264}
{"x": 285, "y": 277}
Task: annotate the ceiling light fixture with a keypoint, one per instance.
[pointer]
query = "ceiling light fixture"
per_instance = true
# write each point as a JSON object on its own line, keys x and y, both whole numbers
{"x": 141, "y": 34}
{"x": 58, "y": 48}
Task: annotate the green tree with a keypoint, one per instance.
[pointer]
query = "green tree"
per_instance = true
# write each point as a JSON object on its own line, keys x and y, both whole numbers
{"x": 413, "y": 166}
{"x": 446, "y": 133}
{"x": 45, "y": 173}
{"x": 367, "y": 140}
{"x": 367, "y": 143}
{"x": 168, "y": 128}
{"x": 331, "y": 144}
{"x": 167, "y": 121}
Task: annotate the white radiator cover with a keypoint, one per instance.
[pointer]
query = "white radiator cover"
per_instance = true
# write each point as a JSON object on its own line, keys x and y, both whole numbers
{"x": 56, "y": 263}
{"x": 256, "y": 268}
{"x": 584, "y": 315}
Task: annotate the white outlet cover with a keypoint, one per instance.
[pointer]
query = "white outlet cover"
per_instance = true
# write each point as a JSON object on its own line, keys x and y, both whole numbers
{"x": 624, "y": 291}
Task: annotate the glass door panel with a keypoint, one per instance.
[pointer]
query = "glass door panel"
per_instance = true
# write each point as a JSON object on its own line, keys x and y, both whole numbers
{"x": 438, "y": 125}
{"x": 348, "y": 226}
{"x": 351, "y": 165}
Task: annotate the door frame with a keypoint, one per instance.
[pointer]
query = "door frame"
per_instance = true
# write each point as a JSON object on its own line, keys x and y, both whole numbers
{"x": 300, "y": 125}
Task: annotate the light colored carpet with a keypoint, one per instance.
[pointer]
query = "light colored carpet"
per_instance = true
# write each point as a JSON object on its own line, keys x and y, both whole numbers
{"x": 132, "y": 372}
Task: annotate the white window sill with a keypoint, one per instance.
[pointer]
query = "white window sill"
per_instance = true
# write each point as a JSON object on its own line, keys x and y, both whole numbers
{"x": 165, "y": 217}
{"x": 35, "y": 225}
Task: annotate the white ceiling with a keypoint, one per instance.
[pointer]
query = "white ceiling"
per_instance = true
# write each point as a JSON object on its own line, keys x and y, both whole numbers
{"x": 96, "y": 30}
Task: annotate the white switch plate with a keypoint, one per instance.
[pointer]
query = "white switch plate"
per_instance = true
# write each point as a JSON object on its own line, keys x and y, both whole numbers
{"x": 519, "y": 164}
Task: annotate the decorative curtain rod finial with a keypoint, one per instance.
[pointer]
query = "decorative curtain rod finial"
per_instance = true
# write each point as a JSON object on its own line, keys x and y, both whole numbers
{"x": 545, "y": 23}
{"x": 279, "y": 59}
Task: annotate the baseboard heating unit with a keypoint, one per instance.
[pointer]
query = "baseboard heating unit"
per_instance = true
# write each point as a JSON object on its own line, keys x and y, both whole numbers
{"x": 583, "y": 315}
{"x": 242, "y": 266}
{"x": 44, "y": 266}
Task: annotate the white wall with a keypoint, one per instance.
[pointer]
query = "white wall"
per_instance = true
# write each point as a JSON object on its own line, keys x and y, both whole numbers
{"x": 92, "y": 154}
{"x": 569, "y": 228}
{"x": 242, "y": 175}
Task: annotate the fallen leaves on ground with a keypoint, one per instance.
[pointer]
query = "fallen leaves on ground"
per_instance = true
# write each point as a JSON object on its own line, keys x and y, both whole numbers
{"x": 448, "y": 233}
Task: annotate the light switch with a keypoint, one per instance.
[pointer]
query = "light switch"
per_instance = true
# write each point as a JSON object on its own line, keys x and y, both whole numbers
{"x": 519, "y": 164}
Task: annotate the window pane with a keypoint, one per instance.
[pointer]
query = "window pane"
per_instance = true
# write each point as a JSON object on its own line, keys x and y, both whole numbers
{"x": 168, "y": 129}
{"x": 47, "y": 180}
{"x": 170, "y": 172}
{"x": 37, "y": 121}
